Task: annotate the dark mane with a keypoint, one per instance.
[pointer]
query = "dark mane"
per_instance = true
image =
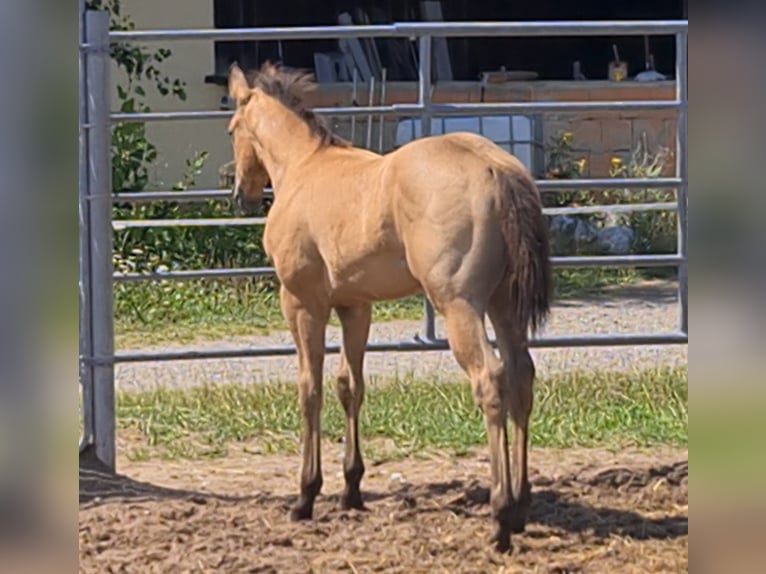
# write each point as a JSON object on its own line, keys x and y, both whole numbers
{"x": 289, "y": 87}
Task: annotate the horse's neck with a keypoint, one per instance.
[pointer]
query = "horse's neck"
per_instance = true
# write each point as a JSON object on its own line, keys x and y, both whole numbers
{"x": 283, "y": 140}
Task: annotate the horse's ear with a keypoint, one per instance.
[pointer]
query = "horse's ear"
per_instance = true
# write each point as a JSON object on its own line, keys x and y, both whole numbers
{"x": 239, "y": 90}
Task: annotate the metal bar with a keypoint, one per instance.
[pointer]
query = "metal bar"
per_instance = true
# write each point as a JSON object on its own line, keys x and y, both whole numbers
{"x": 84, "y": 282}
{"x": 671, "y": 260}
{"x": 519, "y": 108}
{"x": 413, "y": 345}
{"x": 383, "y": 80}
{"x": 354, "y": 87}
{"x": 425, "y": 59}
{"x": 157, "y": 196}
{"x": 457, "y": 109}
{"x": 191, "y": 274}
{"x": 370, "y": 100}
{"x": 547, "y": 185}
{"x": 619, "y": 208}
{"x": 260, "y": 34}
{"x": 410, "y": 29}
{"x": 607, "y": 183}
{"x": 99, "y": 63}
{"x": 682, "y": 171}
{"x": 558, "y": 28}
{"x": 121, "y": 224}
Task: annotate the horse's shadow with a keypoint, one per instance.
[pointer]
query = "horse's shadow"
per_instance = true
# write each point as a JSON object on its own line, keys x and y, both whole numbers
{"x": 557, "y": 510}
{"x": 549, "y": 507}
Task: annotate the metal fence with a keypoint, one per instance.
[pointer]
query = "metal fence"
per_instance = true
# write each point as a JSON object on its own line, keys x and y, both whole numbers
{"x": 97, "y": 354}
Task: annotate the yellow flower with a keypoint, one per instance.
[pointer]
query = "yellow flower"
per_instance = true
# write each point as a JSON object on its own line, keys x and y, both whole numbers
{"x": 616, "y": 162}
{"x": 567, "y": 137}
{"x": 581, "y": 164}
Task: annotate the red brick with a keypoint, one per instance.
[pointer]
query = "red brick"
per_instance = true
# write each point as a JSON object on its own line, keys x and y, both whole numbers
{"x": 587, "y": 135}
{"x": 670, "y": 129}
{"x": 599, "y": 165}
{"x": 570, "y": 95}
{"x": 616, "y": 136}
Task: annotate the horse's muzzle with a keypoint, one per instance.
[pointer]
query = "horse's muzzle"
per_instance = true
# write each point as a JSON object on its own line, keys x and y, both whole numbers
{"x": 244, "y": 205}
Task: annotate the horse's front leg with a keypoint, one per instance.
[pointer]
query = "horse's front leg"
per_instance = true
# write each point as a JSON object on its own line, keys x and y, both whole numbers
{"x": 307, "y": 324}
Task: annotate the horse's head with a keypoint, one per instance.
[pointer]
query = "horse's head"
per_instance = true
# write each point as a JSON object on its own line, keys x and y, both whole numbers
{"x": 250, "y": 177}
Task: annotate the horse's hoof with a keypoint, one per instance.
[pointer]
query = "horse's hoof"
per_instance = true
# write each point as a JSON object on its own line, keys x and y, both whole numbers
{"x": 501, "y": 539}
{"x": 518, "y": 524}
{"x": 352, "y": 502}
{"x": 301, "y": 512}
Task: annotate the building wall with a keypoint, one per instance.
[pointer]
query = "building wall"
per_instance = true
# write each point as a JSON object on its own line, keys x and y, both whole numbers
{"x": 190, "y": 61}
{"x": 598, "y": 136}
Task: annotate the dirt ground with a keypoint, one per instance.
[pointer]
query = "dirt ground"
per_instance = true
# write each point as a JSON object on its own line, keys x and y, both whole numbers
{"x": 592, "y": 511}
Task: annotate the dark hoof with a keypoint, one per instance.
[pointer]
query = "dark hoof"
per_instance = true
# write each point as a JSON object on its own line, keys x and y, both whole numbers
{"x": 501, "y": 539}
{"x": 517, "y": 517}
{"x": 302, "y": 511}
{"x": 518, "y": 523}
{"x": 352, "y": 501}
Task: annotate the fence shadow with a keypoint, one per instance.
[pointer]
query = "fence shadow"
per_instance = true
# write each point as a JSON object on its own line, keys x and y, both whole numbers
{"x": 661, "y": 292}
{"x": 98, "y": 484}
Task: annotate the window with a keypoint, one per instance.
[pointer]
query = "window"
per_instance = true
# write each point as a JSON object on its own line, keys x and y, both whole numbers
{"x": 551, "y": 58}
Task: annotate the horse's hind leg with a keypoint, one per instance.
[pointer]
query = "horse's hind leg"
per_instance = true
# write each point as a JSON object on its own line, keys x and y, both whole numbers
{"x": 307, "y": 322}
{"x": 355, "y": 322}
{"x": 469, "y": 344}
{"x": 520, "y": 374}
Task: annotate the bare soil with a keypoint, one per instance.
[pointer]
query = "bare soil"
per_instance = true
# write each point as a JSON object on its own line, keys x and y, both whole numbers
{"x": 592, "y": 511}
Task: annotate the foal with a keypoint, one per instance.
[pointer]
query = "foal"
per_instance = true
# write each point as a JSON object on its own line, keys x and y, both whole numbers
{"x": 452, "y": 216}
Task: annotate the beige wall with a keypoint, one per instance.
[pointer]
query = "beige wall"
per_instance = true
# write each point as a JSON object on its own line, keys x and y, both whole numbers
{"x": 190, "y": 61}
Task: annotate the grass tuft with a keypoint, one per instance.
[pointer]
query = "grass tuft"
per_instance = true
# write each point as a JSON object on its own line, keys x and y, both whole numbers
{"x": 187, "y": 311}
{"x": 575, "y": 410}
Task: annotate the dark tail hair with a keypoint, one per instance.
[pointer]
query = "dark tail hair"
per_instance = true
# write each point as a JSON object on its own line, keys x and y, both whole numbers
{"x": 526, "y": 236}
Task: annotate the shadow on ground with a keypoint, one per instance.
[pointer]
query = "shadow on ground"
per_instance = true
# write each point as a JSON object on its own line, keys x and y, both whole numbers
{"x": 576, "y": 503}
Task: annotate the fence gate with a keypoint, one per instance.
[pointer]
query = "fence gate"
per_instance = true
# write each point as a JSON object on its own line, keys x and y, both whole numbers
{"x": 97, "y": 354}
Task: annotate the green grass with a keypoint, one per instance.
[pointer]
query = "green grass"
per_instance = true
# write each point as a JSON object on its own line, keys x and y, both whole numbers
{"x": 207, "y": 310}
{"x": 577, "y": 410}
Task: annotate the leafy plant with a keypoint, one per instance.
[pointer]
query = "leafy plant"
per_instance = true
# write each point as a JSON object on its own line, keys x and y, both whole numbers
{"x": 655, "y": 231}
{"x": 132, "y": 152}
{"x": 562, "y": 165}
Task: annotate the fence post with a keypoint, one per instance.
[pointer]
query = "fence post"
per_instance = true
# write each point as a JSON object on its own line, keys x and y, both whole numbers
{"x": 101, "y": 268}
{"x": 424, "y": 99}
{"x": 85, "y": 350}
{"x": 682, "y": 172}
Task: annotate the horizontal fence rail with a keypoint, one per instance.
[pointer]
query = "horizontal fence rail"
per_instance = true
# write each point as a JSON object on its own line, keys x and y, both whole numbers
{"x": 97, "y": 277}
{"x": 122, "y": 224}
{"x": 199, "y": 222}
{"x": 434, "y": 110}
{"x": 547, "y": 185}
{"x": 411, "y": 30}
{"x": 670, "y": 260}
{"x": 413, "y": 345}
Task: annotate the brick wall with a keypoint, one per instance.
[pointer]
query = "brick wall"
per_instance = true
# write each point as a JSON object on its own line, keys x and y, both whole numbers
{"x": 598, "y": 136}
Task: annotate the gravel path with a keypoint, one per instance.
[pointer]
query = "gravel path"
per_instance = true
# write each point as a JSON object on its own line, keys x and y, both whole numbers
{"x": 649, "y": 307}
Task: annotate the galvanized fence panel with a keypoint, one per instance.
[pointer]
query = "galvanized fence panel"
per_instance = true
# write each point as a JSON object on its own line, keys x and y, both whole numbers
{"x": 97, "y": 355}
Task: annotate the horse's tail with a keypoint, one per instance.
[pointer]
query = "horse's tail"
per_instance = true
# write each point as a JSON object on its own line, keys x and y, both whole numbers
{"x": 525, "y": 233}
